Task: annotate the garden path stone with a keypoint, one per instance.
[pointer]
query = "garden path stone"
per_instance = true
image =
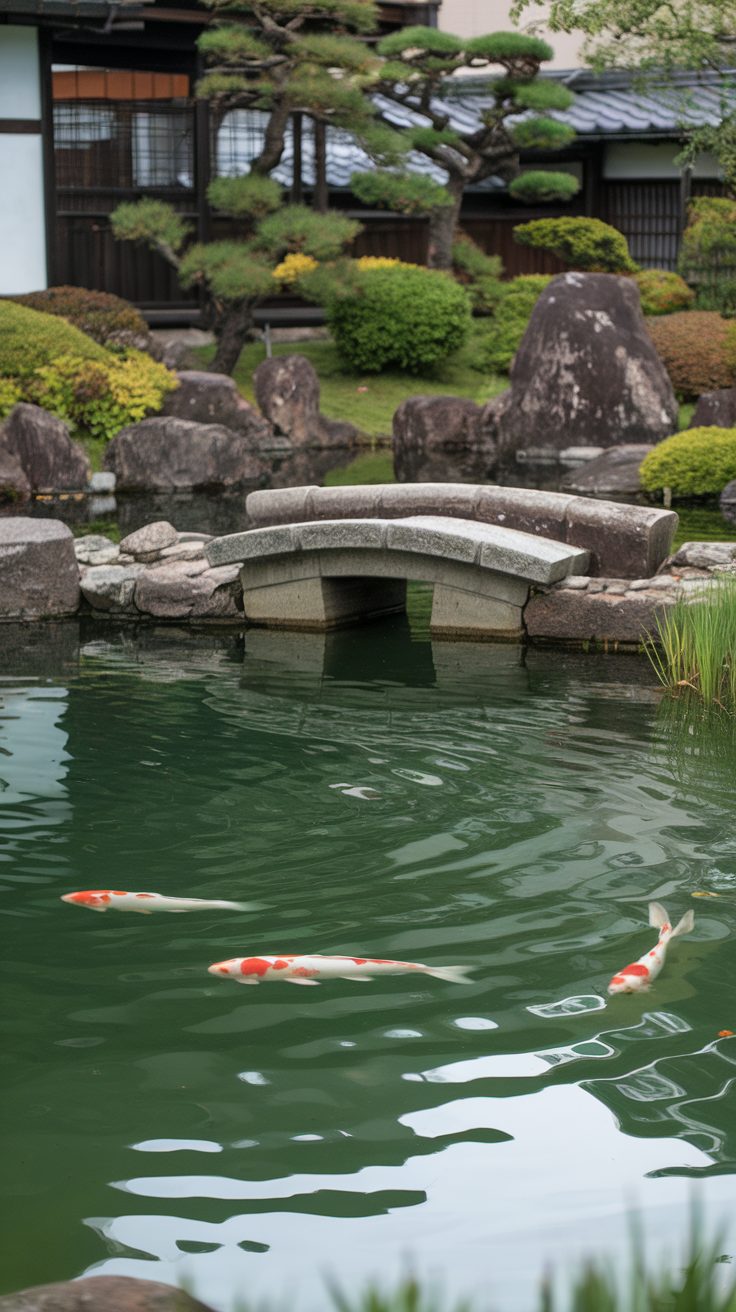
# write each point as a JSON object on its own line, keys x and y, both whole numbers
{"x": 41, "y": 444}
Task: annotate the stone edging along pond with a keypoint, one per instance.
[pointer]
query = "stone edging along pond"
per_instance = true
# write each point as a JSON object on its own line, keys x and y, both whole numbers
{"x": 158, "y": 574}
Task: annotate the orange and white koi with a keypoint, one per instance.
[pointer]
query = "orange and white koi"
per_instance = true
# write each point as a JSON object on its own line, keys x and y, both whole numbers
{"x": 115, "y": 899}
{"x": 311, "y": 970}
{"x": 638, "y": 976}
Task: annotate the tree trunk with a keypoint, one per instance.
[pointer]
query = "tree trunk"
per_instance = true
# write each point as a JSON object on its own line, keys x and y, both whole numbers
{"x": 232, "y": 327}
{"x": 273, "y": 141}
{"x": 320, "y": 166}
{"x": 443, "y": 225}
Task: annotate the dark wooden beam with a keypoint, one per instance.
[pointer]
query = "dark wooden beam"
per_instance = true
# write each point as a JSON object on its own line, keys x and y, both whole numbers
{"x": 297, "y": 121}
{"x": 15, "y": 126}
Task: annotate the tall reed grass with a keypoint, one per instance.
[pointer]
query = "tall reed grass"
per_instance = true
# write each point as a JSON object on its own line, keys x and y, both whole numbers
{"x": 694, "y": 648}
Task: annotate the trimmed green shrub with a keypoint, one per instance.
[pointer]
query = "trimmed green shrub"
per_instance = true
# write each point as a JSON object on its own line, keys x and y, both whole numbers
{"x": 500, "y": 339}
{"x": 663, "y": 292}
{"x": 100, "y": 398}
{"x": 698, "y": 462}
{"x": 478, "y": 272}
{"x": 107, "y": 319}
{"x": 29, "y": 339}
{"x": 708, "y": 253}
{"x": 10, "y": 395}
{"x": 698, "y": 350}
{"x": 580, "y": 243}
{"x": 401, "y": 318}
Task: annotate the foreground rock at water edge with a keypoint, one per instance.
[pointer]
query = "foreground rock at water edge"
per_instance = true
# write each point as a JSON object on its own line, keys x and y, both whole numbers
{"x": 42, "y": 446}
{"x": 614, "y": 473}
{"x": 716, "y": 409}
{"x": 166, "y": 454}
{"x": 157, "y": 572}
{"x": 206, "y": 398}
{"x": 437, "y": 436}
{"x": 287, "y": 390}
{"x": 39, "y": 577}
{"x": 586, "y": 372}
{"x": 102, "y": 1294}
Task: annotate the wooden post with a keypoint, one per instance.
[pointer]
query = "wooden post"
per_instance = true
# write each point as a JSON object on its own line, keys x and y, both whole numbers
{"x": 296, "y": 176}
{"x": 686, "y": 186}
{"x": 320, "y": 166}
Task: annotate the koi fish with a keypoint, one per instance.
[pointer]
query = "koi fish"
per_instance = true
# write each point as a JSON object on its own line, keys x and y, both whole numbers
{"x": 310, "y": 970}
{"x": 113, "y": 899}
{"x": 639, "y": 975}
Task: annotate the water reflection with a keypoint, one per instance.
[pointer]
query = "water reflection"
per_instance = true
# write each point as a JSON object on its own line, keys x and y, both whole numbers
{"x": 517, "y": 812}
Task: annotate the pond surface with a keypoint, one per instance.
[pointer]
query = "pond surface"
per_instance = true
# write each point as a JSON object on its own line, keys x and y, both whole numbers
{"x": 379, "y": 795}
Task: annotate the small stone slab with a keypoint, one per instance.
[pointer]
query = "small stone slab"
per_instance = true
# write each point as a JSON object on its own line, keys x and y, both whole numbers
{"x": 110, "y": 587}
{"x": 39, "y": 576}
{"x": 147, "y": 542}
{"x": 96, "y": 549}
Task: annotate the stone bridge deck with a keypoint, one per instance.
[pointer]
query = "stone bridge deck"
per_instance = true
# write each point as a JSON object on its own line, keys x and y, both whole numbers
{"x": 324, "y": 574}
{"x": 624, "y": 541}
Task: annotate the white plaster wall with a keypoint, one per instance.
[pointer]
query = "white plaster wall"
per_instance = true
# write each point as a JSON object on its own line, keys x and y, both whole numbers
{"x": 22, "y": 222}
{"x": 476, "y": 17}
{"x": 651, "y": 160}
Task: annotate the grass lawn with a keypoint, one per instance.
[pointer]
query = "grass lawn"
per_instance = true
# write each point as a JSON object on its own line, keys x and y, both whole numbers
{"x": 368, "y": 400}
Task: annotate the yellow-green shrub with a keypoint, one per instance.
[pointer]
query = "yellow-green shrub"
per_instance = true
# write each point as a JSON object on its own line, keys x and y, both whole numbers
{"x": 698, "y": 462}
{"x": 663, "y": 292}
{"x": 101, "y": 397}
{"x": 29, "y": 338}
{"x": 10, "y": 395}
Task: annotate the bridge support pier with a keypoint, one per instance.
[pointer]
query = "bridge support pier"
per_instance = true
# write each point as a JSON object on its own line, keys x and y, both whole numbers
{"x": 319, "y": 604}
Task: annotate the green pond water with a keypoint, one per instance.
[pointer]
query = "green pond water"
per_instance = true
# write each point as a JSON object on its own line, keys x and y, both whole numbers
{"x": 377, "y": 795}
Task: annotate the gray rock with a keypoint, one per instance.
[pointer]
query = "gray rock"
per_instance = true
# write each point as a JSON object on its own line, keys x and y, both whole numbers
{"x": 146, "y": 543}
{"x": 102, "y": 1294}
{"x": 287, "y": 391}
{"x": 39, "y": 576}
{"x": 586, "y": 372}
{"x": 42, "y": 445}
{"x": 566, "y": 615}
{"x": 168, "y": 454}
{"x": 441, "y": 437}
{"x": 110, "y": 587}
{"x": 14, "y": 486}
{"x": 616, "y": 472}
{"x": 95, "y": 549}
{"x": 704, "y": 555}
{"x": 727, "y": 501}
{"x": 183, "y": 551}
{"x": 214, "y": 399}
{"x": 716, "y": 409}
{"x": 102, "y": 481}
{"x": 189, "y": 590}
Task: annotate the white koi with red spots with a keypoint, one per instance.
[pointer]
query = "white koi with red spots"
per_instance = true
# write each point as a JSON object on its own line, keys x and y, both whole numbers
{"x": 314, "y": 969}
{"x": 115, "y": 899}
{"x": 637, "y": 977}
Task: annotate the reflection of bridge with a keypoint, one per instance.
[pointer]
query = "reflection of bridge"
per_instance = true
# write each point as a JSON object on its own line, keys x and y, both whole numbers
{"x": 323, "y": 574}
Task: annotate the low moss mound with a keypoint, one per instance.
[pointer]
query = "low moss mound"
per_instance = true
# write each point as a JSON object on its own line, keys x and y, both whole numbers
{"x": 30, "y": 339}
{"x": 698, "y": 462}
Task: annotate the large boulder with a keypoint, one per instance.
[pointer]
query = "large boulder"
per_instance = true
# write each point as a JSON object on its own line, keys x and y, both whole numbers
{"x": 39, "y": 577}
{"x": 42, "y": 446}
{"x": 102, "y": 1294}
{"x": 727, "y": 501}
{"x": 441, "y": 438}
{"x": 586, "y": 372}
{"x": 287, "y": 391}
{"x": 614, "y": 473}
{"x": 168, "y": 454}
{"x": 715, "y": 409}
{"x": 214, "y": 399}
{"x": 14, "y": 485}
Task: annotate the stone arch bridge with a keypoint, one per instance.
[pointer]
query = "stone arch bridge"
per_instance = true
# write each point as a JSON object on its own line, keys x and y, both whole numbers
{"x": 335, "y": 556}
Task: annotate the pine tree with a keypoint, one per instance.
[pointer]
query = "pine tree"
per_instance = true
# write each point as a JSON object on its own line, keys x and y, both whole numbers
{"x": 417, "y": 63}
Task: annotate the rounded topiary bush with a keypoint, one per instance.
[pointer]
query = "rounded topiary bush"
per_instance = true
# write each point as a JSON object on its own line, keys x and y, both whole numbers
{"x": 580, "y": 242}
{"x": 698, "y": 462}
{"x": 108, "y": 319}
{"x": 663, "y": 292}
{"x": 406, "y": 318}
{"x": 29, "y": 339}
{"x": 698, "y": 350}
